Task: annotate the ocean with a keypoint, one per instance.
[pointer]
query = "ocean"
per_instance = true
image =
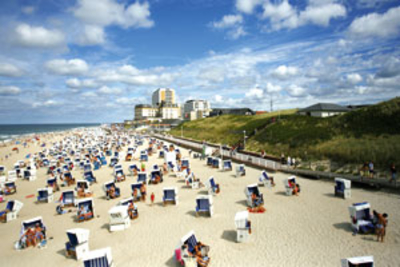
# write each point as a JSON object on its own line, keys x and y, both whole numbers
{"x": 12, "y": 131}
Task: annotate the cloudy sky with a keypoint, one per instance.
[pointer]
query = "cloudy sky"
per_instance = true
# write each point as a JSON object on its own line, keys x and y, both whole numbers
{"x": 93, "y": 60}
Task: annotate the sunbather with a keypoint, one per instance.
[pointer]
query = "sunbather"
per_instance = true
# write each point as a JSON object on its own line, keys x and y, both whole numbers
{"x": 381, "y": 226}
{"x": 120, "y": 177}
{"x": 84, "y": 213}
{"x": 201, "y": 254}
{"x": 295, "y": 187}
{"x": 133, "y": 211}
{"x": 143, "y": 192}
{"x": 39, "y": 233}
{"x": 28, "y": 238}
{"x": 82, "y": 192}
{"x": 165, "y": 168}
{"x": 111, "y": 192}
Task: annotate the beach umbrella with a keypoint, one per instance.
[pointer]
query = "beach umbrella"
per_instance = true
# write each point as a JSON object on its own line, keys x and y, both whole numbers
{"x": 28, "y": 156}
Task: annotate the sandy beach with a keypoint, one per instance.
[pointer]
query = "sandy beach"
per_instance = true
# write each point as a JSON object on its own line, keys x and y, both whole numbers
{"x": 312, "y": 229}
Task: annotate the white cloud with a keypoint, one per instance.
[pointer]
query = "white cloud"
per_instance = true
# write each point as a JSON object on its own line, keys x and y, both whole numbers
{"x": 271, "y": 88}
{"x": 283, "y": 72}
{"x": 31, "y": 36}
{"x": 390, "y": 68}
{"x": 237, "y": 33}
{"x": 48, "y": 103}
{"x": 67, "y": 67}
{"x": 212, "y": 74}
{"x": 9, "y": 70}
{"x": 386, "y": 25}
{"x": 110, "y": 90}
{"x": 92, "y": 35}
{"x": 110, "y": 12}
{"x": 354, "y": 78}
{"x": 228, "y": 21}
{"x": 28, "y": 10}
{"x": 89, "y": 94}
{"x": 296, "y": 91}
{"x": 77, "y": 84}
{"x": 129, "y": 101}
{"x": 9, "y": 90}
{"x": 284, "y": 15}
{"x": 255, "y": 93}
{"x": 247, "y": 6}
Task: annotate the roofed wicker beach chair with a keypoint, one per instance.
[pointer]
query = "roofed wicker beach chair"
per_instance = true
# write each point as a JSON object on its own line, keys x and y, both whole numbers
{"x": 45, "y": 195}
{"x": 365, "y": 261}
{"x": 78, "y": 244}
{"x": 11, "y": 212}
{"x": 98, "y": 258}
{"x": 240, "y": 170}
{"x": 342, "y": 188}
{"x": 85, "y": 209}
{"x": 119, "y": 218}
{"x": 170, "y": 195}
{"x": 204, "y": 204}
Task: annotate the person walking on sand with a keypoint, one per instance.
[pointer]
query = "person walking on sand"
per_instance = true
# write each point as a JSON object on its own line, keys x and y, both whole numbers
{"x": 393, "y": 172}
{"x": 152, "y": 198}
{"x": 371, "y": 169}
{"x": 381, "y": 226}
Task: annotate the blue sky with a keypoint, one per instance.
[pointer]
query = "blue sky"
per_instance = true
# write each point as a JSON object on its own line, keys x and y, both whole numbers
{"x": 93, "y": 60}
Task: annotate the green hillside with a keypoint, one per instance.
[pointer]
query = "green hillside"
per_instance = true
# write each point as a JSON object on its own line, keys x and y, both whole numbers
{"x": 371, "y": 133}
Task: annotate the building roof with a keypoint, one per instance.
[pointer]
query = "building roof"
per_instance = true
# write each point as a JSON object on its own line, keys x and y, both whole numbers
{"x": 196, "y": 100}
{"x": 235, "y": 111}
{"x": 325, "y": 107}
{"x": 143, "y": 106}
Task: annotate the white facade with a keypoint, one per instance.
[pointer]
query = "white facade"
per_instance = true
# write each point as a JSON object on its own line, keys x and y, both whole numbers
{"x": 196, "y": 109}
{"x": 145, "y": 112}
{"x": 163, "y": 95}
{"x": 170, "y": 112}
{"x": 322, "y": 114}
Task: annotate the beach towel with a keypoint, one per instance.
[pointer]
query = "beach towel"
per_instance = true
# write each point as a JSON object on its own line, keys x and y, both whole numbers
{"x": 259, "y": 211}
{"x": 30, "y": 196}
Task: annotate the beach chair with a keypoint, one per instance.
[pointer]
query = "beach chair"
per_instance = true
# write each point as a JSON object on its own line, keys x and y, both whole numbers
{"x": 361, "y": 218}
{"x": 129, "y": 156}
{"x": 85, "y": 209}
{"x": 32, "y": 223}
{"x": 342, "y": 188}
{"x": 137, "y": 186}
{"x": 107, "y": 186}
{"x": 84, "y": 184}
{"x": 96, "y": 165}
{"x": 365, "y": 261}
{"x": 210, "y": 161}
{"x": 161, "y": 154}
{"x": 98, "y": 258}
{"x": 242, "y": 226}
{"x": 172, "y": 166}
{"x": 89, "y": 177}
{"x": 185, "y": 163}
{"x": 3, "y": 179}
{"x": 87, "y": 167}
{"x": 182, "y": 256}
{"x": 30, "y": 175}
{"x": 249, "y": 190}
{"x": 265, "y": 180}
{"x": 153, "y": 176}
{"x": 190, "y": 181}
{"x": 132, "y": 168}
{"x": 113, "y": 161}
{"x": 78, "y": 244}
{"x": 9, "y": 188}
{"x": 216, "y": 163}
{"x": 119, "y": 175}
{"x": 142, "y": 177}
{"x": 240, "y": 170}
{"x": 68, "y": 198}
{"x": 45, "y": 195}
{"x": 12, "y": 209}
{"x": 103, "y": 160}
{"x": 12, "y": 176}
{"x": 68, "y": 179}
{"x": 212, "y": 187}
{"x": 204, "y": 204}
{"x": 144, "y": 156}
{"x": 182, "y": 173}
{"x": 170, "y": 195}
{"x": 119, "y": 218}
{"x": 287, "y": 181}
{"x": 227, "y": 165}
{"x": 52, "y": 183}
{"x": 2, "y": 170}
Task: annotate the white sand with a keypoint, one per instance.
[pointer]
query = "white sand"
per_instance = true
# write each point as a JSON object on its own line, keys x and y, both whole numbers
{"x": 310, "y": 230}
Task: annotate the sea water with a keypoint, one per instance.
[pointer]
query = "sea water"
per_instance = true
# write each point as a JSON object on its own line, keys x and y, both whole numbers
{"x": 9, "y": 132}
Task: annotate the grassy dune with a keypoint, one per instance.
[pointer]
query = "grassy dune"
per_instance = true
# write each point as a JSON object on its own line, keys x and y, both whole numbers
{"x": 371, "y": 133}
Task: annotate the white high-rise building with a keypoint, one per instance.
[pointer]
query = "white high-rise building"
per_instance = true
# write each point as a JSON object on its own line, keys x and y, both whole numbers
{"x": 196, "y": 109}
{"x": 163, "y": 96}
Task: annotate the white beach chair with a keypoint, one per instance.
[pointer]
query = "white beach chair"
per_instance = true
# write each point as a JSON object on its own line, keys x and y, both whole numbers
{"x": 365, "y": 261}
{"x": 45, "y": 195}
{"x": 249, "y": 190}
{"x": 98, "y": 258}
{"x": 361, "y": 218}
{"x": 12, "y": 176}
{"x": 227, "y": 165}
{"x": 286, "y": 182}
{"x": 191, "y": 182}
{"x": 212, "y": 186}
{"x": 119, "y": 218}
{"x": 87, "y": 205}
{"x": 242, "y": 226}
{"x": 204, "y": 204}
{"x": 343, "y": 188}
{"x": 181, "y": 255}
{"x": 78, "y": 244}
{"x": 240, "y": 170}
{"x": 170, "y": 195}
{"x": 2, "y": 170}
{"x": 265, "y": 180}
{"x": 12, "y": 209}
